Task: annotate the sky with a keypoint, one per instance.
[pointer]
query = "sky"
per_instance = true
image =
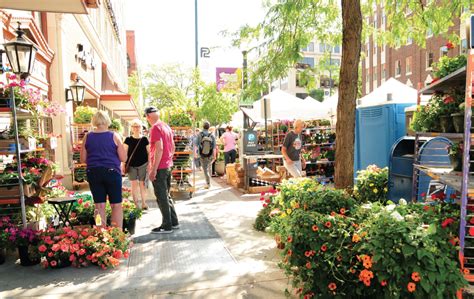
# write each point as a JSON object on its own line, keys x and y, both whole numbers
{"x": 164, "y": 30}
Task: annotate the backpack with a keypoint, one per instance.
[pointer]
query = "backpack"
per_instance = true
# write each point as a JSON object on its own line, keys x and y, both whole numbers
{"x": 205, "y": 148}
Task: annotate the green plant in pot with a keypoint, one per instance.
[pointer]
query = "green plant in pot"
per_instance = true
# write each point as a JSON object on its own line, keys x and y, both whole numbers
{"x": 455, "y": 152}
{"x": 458, "y": 118}
{"x": 83, "y": 114}
{"x": 446, "y": 65}
{"x": 116, "y": 126}
{"x": 446, "y": 106}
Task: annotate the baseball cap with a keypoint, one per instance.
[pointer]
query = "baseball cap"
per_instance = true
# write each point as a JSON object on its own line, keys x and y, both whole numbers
{"x": 149, "y": 110}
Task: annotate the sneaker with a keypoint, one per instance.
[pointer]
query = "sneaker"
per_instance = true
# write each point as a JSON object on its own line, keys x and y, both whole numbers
{"x": 175, "y": 226}
{"x": 160, "y": 230}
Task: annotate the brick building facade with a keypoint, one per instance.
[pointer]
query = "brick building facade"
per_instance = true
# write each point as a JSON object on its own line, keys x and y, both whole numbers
{"x": 409, "y": 63}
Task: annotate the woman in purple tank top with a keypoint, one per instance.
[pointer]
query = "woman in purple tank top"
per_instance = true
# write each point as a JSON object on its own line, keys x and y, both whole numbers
{"x": 103, "y": 152}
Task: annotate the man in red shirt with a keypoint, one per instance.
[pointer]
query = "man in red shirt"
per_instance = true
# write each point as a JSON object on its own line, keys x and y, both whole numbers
{"x": 159, "y": 172}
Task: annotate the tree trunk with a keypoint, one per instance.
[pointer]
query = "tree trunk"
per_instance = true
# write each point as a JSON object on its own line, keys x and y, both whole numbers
{"x": 346, "y": 107}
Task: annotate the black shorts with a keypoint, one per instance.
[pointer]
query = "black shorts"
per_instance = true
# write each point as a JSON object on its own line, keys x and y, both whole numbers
{"x": 105, "y": 182}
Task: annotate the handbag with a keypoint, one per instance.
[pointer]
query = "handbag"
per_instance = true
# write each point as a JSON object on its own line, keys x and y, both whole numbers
{"x": 127, "y": 165}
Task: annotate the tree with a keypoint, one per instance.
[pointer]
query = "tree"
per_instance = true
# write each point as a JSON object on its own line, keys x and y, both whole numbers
{"x": 216, "y": 107}
{"x": 317, "y": 94}
{"x": 290, "y": 25}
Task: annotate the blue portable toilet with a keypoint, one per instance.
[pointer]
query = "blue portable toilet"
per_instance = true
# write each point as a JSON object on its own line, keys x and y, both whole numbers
{"x": 380, "y": 122}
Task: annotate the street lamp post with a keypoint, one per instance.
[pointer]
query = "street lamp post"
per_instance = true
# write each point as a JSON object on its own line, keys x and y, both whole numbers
{"x": 196, "y": 44}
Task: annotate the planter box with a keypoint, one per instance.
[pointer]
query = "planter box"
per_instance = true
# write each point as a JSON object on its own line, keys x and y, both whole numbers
{"x": 5, "y": 143}
{"x": 14, "y": 191}
{"x": 260, "y": 189}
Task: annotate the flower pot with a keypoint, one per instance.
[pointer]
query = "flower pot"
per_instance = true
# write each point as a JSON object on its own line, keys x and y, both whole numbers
{"x": 3, "y": 254}
{"x": 446, "y": 124}
{"x": 458, "y": 122}
{"x": 129, "y": 225}
{"x": 25, "y": 259}
{"x": 456, "y": 162}
{"x": 220, "y": 167}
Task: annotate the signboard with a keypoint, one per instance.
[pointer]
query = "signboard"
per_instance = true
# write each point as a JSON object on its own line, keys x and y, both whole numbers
{"x": 250, "y": 142}
{"x": 228, "y": 79}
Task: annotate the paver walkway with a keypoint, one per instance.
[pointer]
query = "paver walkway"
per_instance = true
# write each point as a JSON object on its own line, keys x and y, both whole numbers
{"x": 214, "y": 254}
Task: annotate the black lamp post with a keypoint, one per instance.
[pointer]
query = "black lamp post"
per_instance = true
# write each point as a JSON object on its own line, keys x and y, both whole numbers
{"x": 21, "y": 54}
{"x": 76, "y": 92}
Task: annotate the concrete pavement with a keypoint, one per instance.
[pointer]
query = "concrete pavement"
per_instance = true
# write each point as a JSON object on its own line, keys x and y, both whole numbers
{"x": 215, "y": 254}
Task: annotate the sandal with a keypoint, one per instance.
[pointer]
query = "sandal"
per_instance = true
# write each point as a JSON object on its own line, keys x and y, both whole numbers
{"x": 144, "y": 207}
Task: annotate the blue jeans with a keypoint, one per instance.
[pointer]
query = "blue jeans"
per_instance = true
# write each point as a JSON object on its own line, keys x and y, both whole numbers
{"x": 161, "y": 186}
{"x": 105, "y": 182}
{"x": 229, "y": 157}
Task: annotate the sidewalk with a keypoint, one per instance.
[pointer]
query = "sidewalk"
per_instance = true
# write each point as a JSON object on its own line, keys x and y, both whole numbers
{"x": 215, "y": 254}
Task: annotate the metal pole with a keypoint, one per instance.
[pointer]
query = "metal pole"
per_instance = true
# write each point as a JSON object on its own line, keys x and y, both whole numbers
{"x": 244, "y": 83}
{"x": 330, "y": 71}
{"x": 18, "y": 156}
{"x": 196, "y": 56}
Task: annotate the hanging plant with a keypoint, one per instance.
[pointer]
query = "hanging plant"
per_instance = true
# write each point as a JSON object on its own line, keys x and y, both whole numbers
{"x": 83, "y": 114}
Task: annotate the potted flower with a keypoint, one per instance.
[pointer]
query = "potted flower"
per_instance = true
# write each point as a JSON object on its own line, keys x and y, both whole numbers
{"x": 83, "y": 114}
{"x": 60, "y": 247}
{"x": 458, "y": 118}
{"x": 455, "y": 152}
{"x": 25, "y": 240}
{"x": 131, "y": 213}
{"x": 5, "y": 225}
{"x": 82, "y": 212}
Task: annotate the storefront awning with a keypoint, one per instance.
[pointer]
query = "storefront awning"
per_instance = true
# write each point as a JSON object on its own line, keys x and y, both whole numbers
{"x": 62, "y": 6}
{"x": 121, "y": 104}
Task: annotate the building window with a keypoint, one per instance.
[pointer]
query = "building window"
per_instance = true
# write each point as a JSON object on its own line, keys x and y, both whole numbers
{"x": 309, "y": 48}
{"x": 337, "y": 49}
{"x": 429, "y": 60}
{"x": 309, "y": 61}
{"x": 384, "y": 73}
{"x": 335, "y": 61}
{"x": 443, "y": 51}
{"x": 408, "y": 62}
{"x": 375, "y": 75}
{"x": 398, "y": 68}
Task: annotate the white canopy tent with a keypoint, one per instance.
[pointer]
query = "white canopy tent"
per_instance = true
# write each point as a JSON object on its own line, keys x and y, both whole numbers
{"x": 390, "y": 92}
{"x": 283, "y": 106}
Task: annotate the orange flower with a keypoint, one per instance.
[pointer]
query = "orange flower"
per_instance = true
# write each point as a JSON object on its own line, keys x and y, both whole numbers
{"x": 333, "y": 213}
{"x": 328, "y": 224}
{"x": 324, "y": 248}
{"x": 415, "y": 276}
{"x": 466, "y": 271}
{"x": 342, "y": 211}
{"x": 308, "y": 265}
{"x": 289, "y": 252}
{"x": 383, "y": 283}
{"x": 411, "y": 287}
{"x": 352, "y": 270}
{"x": 367, "y": 264}
{"x": 307, "y": 253}
{"x": 315, "y": 228}
{"x": 355, "y": 238}
{"x": 290, "y": 239}
{"x": 332, "y": 286}
{"x": 367, "y": 282}
{"x": 297, "y": 205}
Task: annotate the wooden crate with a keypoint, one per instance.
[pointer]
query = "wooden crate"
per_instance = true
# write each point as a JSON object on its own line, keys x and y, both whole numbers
{"x": 260, "y": 189}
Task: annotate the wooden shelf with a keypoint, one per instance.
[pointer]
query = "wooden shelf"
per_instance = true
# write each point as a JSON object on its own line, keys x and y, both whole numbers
{"x": 5, "y": 153}
{"x": 447, "y": 135}
{"x": 9, "y": 201}
{"x": 447, "y": 176}
{"x": 182, "y": 171}
{"x": 457, "y": 78}
{"x": 80, "y": 165}
{"x": 183, "y": 153}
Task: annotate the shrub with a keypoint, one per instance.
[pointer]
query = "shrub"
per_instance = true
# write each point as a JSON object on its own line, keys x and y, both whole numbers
{"x": 83, "y": 114}
{"x": 372, "y": 184}
{"x": 263, "y": 219}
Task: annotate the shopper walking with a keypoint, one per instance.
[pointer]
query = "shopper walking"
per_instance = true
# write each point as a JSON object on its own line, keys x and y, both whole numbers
{"x": 159, "y": 171}
{"x": 103, "y": 152}
{"x": 138, "y": 148}
{"x": 212, "y": 130}
{"x": 291, "y": 150}
{"x": 229, "y": 139}
{"x": 207, "y": 151}
{"x": 195, "y": 147}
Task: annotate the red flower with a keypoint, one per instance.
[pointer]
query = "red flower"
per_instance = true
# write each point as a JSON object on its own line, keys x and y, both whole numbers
{"x": 411, "y": 287}
{"x": 42, "y": 248}
{"x": 471, "y": 221}
{"x": 383, "y": 283}
{"x": 289, "y": 252}
{"x": 342, "y": 211}
{"x": 449, "y": 45}
{"x": 53, "y": 263}
{"x": 289, "y": 239}
{"x": 447, "y": 222}
{"x": 448, "y": 100}
{"x": 126, "y": 254}
{"x": 315, "y": 228}
{"x": 262, "y": 198}
{"x": 332, "y": 286}
{"x": 426, "y": 208}
{"x": 471, "y": 231}
{"x": 265, "y": 205}
{"x": 454, "y": 241}
{"x": 72, "y": 258}
{"x": 262, "y": 194}
{"x": 79, "y": 201}
{"x": 328, "y": 224}
{"x": 267, "y": 200}
{"x": 324, "y": 248}
{"x": 308, "y": 265}
{"x": 333, "y": 213}
{"x": 415, "y": 276}
{"x": 117, "y": 254}
{"x": 307, "y": 253}
{"x": 55, "y": 247}
{"x": 423, "y": 194}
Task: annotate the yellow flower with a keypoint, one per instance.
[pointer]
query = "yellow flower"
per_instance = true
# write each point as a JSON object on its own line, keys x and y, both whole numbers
{"x": 288, "y": 211}
{"x": 385, "y": 189}
{"x": 371, "y": 184}
{"x": 355, "y": 188}
{"x": 283, "y": 215}
{"x": 376, "y": 191}
{"x": 293, "y": 204}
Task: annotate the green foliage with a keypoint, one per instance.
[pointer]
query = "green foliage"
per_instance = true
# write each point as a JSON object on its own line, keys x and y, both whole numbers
{"x": 317, "y": 94}
{"x": 116, "y": 125}
{"x": 372, "y": 184}
{"x": 180, "y": 119}
{"x": 263, "y": 218}
{"x": 83, "y": 114}
{"x": 216, "y": 107}
{"x": 446, "y": 65}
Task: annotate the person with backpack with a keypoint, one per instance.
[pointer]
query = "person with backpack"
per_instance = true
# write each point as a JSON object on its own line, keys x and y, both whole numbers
{"x": 207, "y": 151}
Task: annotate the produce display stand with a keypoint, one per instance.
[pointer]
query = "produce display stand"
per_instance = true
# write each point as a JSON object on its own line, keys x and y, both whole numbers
{"x": 462, "y": 182}
{"x": 183, "y": 177}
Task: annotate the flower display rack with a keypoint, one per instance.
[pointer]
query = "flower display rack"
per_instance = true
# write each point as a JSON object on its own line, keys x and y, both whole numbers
{"x": 183, "y": 179}
{"x": 78, "y": 131}
{"x": 463, "y": 181}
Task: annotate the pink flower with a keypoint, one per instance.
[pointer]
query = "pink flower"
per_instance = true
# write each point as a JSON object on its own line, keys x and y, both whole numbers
{"x": 56, "y": 247}
{"x": 42, "y": 248}
{"x": 54, "y": 263}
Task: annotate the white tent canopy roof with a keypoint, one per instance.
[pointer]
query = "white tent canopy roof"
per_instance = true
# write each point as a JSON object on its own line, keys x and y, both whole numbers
{"x": 284, "y": 106}
{"x": 399, "y": 93}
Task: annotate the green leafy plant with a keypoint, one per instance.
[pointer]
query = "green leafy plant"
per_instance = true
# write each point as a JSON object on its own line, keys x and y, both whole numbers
{"x": 180, "y": 119}
{"x": 371, "y": 185}
{"x": 446, "y": 65}
{"x": 83, "y": 114}
{"x": 116, "y": 125}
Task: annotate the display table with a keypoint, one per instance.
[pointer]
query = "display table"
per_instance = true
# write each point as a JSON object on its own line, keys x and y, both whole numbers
{"x": 63, "y": 206}
{"x": 251, "y": 165}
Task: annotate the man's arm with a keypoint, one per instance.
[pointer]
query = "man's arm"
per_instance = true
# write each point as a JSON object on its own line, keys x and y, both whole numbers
{"x": 286, "y": 143}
